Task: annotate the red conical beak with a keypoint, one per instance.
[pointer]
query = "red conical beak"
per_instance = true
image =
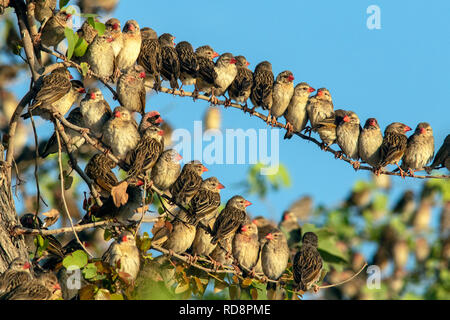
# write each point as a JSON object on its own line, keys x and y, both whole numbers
{"x": 311, "y": 89}
{"x": 422, "y": 130}
{"x": 27, "y": 265}
{"x": 117, "y": 114}
{"x": 204, "y": 169}
{"x": 115, "y": 26}
{"x": 142, "y": 75}
{"x": 247, "y": 203}
{"x": 159, "y": 120}
{"x": 178, "y": 157}
{"x": 70, "y": 77}
{"x": 244, "y": 229}
{"x": 407, "y": 129}
{"x": 57, "y": 286}
{"x": 215, "y": 55}
{"x": 92, "y": 96}
{"x": 124, "y": 239}
{"x": 232, "y": 61}
{"x": 346, "y": 119}
{"x": 269, "y": 236}
{"x": 247, "y": 64}
{"x": 81, "y": 90}
{"x": 220, "y": 186}
{"x": 291, "y": 78}
{"x": 161, "y": 132}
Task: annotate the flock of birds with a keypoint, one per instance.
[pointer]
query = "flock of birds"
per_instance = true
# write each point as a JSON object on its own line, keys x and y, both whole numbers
{"x": 135, "y": 58}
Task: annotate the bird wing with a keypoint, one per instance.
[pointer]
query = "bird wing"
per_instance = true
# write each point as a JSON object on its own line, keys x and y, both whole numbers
{"x": 170, "y": 64}
{"x": 204, "y": 203}
{"x": 188, "y": 61}
{"x": 54, "y": 87}
{"x": 262, "y": 88}
{"x": 307, "y": 266}
{"x": 144, "y": 156}
{"x": 392, "y": 148}
{"x": 206, "y": 70}
{"x": 150, "y": 56}
{"x": 227, "y": 222}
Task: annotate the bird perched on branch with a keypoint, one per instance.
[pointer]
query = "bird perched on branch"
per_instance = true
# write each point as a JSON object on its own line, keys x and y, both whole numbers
{"x": 206, "y": 70}
{"x": 241, "y": 87}
{"x": 188, "y": 63}
{"x": 369, "y": 143}
{"x": 170, "y": 70}
{"x": 202, "y": 245}
{"x": 100, "y": 57}
{"x": 246, "y": 245}
{"x": 95, "y": 111}
{"x": 206, "y": 201}
{"x": 442, "y": 157}
{"x": 319, "y": 107}
{"x": 419, "y": 150}
{"x": 393, "y": 146}
{"x": 120, "y": 132}
{"x": 307, "y": 266}
{"x": 188, "y": 182}
{"x": 166, "y": 170}
{"x": 347, "y": 136}
{"x": 56, "y": 93}
{"x": 131, "y": 89}
{"x": 113, "y": 29}
{"x": 131, "y": 37}
{"x": 53, "y": 32}
{"x": 326, "y": 128}
{"x": 99, "y": 169}
{"x": 230, "y": 218}
{"x": 43, "y": 9}
{"x": 150, "y": 57}
{"x": 44, "y": 287}
{"x": 76, "y": 140}
{"x": 123, "y": 255}
{"x": 262, "y": 90}
{"x": 283, "y": 89}
{"x": 226, "y": 72}
{"x": 17, "y": 273}
{"x": 295, "y": 114}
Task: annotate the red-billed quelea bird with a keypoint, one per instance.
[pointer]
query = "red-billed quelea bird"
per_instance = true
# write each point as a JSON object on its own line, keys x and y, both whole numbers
{"x": 246, "y": 245}
{"x": 188, "y": 182}
{"x": 55, "y": 94}
{"x": 123, "y": 255}
{"x": 95, "y": 111}
{"x": 241, "y": 87}
{"x": 43, "y": 287}
{"x": 166, "y": 170}
{"x": 262, "y": 90}
{"x": 307, "y": 266}
{"x": 99, "y": 169}
{"x": 369, "y": 143}
{"x": 347, "y": 137}
{"x": 202, "y": 245}
{"x": 326, "y": 128}
{"x": 230, "y": 219}
{"x": 17, "y": 273}
{"x": 206, "y": 201}
{"x": 393, "y": 146}
{"x": 188, "y": 63}
{"x": 150, "y": 57}
{"x": 76, "y": 140}
{"x": 442, "y": 157}
{"x": 170, "y": 70}
{"x": 207, "y": 74}
{"x": 100, "y": 57}
{"x": 144, "y": 156}
{"x": 53, "y": 32}
{"x": 43, "y": 9}
{"x": 226, "y": 72}
{"x": 283, "y": 89}
{"x": 131, "y": 89}
{"x": 274, "y": 259}
{"x": 319, "y": 107}
{"x": 419, "y": 150}
{"x": 129, "y": 53}
{"x": 295, "y": 114}
{"x": 120, "y": 132}
{"x": 113, "y": 28}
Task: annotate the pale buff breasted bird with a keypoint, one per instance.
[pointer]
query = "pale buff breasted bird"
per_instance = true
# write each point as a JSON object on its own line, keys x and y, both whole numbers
{"x": 307, "y": 266}
{"x": 123, "y": 255}
{"x": 166, "y": 169}
{"x": 188, "y": 182}
{"x": 283, "y": 89}
{"x": 230, "y": 218}
{"x": 120, "y": 132}
{"x": 150, "y": 57}
{"x": 113, "y": 28}
{"x": 326, "y": 128}
{"x": 170, "y": 67}
{"x": 419, "y": 150}
{"x": 245, "y": 246}
{"x": 53, "y": 32}
{"x": 131, "y": 89}
{"x": 95, "y": 111}
{"x": 319, "y": 107}
{"x": 393, "y": 146}
{"x": 202, "y": 245}
{"x": 100, "y": 56}
{"x": 295, "y": 114}
{"x": 347, "y": 136}
{"x": 369, "y": 143}
{"x": 262, "y": 90}
{"x": 131, "y": 35}
{"x": 241, "y": 87}
{"x": 226, "y": 72}
{"x": 206, "y": 201}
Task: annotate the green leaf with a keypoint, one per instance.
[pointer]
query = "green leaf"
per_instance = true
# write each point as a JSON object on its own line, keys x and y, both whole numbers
{"x": 72, "y": 39}
{"x": 90, "y": 271}
{"x": 75, "y": 260}
{"x": 80, "y": 47}
{"x": 107, "y": 235}
{"x": 100, "y": 27}
{"x": 84, "y": 68}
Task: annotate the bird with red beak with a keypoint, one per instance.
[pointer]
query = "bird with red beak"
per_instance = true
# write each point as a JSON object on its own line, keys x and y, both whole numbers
{"x": 283, "y": 89}
{"x": 206, "y": 201}
{"x": 419, "y": 150}
{"x": 132, "y": 40}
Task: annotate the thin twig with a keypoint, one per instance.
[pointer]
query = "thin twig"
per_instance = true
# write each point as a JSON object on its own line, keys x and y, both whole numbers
{"x": 346, "y": 280}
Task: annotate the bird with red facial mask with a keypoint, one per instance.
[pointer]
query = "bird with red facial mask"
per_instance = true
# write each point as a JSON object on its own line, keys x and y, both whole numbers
{"x": 295, "y": 114}
{"x": 347, "y": 137}
{"x": 131, "y": 89}
{"x": 95, "y": 111}
{"x": 393, "y": 146}
{"x": 131, "y": 36}
{"x": 369, "y": 143}
{"x": 120, "y": 133}
{"x": 283, "y": 89}
{"x": 419, "y": 150}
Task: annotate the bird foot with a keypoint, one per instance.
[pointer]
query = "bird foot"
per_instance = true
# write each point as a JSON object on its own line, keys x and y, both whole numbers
{"x": 252, "y": 273}
{"x": 213, "y": 100}
{"x": 411, "y": 172}
{"x": 181, "y": 92}
{"x": 227, "y": 102}
{"x": 195, "y": 94}
{"x": 338, "y": 155}
{"x": 264, "y": 279}
{"x": 269, "y": 119}
{"x": 289, "y": 127}
{"x": 355, "y": 164}
{"x": 402, "y": 172}
{"x": 236, "y": 269}
{"x": 324, "y": 146}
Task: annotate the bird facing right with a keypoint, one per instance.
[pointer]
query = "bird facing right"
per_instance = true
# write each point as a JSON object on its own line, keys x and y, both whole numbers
{"x": 246, "y": 245}
{"x": 442, "y": 156}
{"x": 170, "y": 70}
{"x": 283, "y": 89}
{"x": 347, "y": 136}
{"x": 188, "y": 182}
{"x": 308, "y": 263}
{"x": 296, "y": 115}
{"x": 131, "y": 89}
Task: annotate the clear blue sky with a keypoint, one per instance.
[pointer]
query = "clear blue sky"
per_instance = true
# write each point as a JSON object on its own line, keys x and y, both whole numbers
{"x": 398, "y": 73}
